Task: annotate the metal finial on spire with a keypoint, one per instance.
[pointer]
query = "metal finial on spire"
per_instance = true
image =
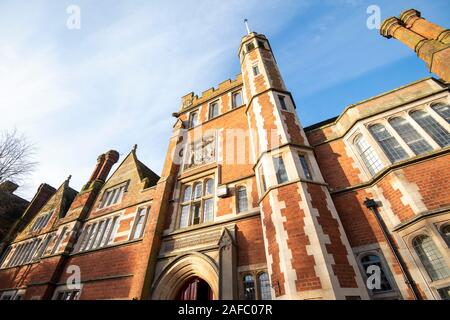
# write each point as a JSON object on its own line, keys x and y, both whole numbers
{"x": 134, "y": 148}
{"x": 69, "y": 177}
{"x": 246, "y": 25}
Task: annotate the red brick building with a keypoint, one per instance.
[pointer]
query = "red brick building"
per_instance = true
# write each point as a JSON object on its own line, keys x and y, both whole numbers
{"x": 251, "y": 205}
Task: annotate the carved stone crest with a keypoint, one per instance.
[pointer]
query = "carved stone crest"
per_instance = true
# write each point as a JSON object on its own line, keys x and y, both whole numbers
{"x": 201, "y": 152}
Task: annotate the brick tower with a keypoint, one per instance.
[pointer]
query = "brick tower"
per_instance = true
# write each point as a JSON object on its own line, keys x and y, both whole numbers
{"x": 308, "y": 254}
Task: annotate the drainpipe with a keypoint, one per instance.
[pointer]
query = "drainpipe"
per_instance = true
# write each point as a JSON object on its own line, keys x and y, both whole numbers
{"x": 373, "y": 206}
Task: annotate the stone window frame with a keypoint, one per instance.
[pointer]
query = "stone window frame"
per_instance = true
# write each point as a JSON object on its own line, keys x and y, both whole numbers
{"x": 65, "y": 288}
{"x": 282, "y": 100}
{"x": 41, "y": 221}
{"x": 255, "y": 274}
{"x": 233, "y": 94}
{"x": 394, "y": 292}
{"x": 351, "y": 141}
{"x": 384, "y": 123}
{"x": 439, "y": 227}
{"x": 27, "y": 254}
{"x": 237, "y": 188}
{"x": 426, "y": 228}
{"x": 190, "y": 115}
{"x": 192, "y": 200}
{"x": 421, "y": 133}
{"x": 13, "y": 294}
{"x": 361, "y": 127}
{"x": 214, "y": 102}
{"x": 309, "y": 167}
{"x": 435, "y": 116}
{"x": 107, "y": 238}
{"x": 102, "y": 200}
{"x": 256, "y": 70}
{"x": 439, "y": 102}
{"x": 144, "y": 224}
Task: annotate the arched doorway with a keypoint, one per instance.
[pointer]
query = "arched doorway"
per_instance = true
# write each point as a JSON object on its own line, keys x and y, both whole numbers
{"x": 195, "y": 289}
{"x": 182, "y": 271}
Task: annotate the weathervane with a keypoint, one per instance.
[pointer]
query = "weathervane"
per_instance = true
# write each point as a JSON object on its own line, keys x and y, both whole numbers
{"x": 246, "y": 25}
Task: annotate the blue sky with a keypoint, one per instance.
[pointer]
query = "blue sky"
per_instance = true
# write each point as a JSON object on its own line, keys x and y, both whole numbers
{"x": 116, "y": 81}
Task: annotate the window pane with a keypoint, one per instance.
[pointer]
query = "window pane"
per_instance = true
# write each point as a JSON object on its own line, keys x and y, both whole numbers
{"x": 193, "y": 119}
{"x": 305, "y": 167}
{"x": 368, "y": 155}
{"x": 373, "y": 260}
{"x": 237, "y": 99}
{"x": 431, "y": 258}
{"x": 115, "y": 226}
{"x": 412, "y": 138}
{"x": 197, "y": 190}
{"x": 58, "y": 242}
{"x": 196, "y": 213}
{"x": 187, "y": 194}
{"x": 108, "y": 226}
{"x": 99, "y": 236}
{"x": 92, "y": 236}
{"x": 249, "y": 288}
{"x": 443, "y": 110}
{"x": 213, "y": 110}
{"x": 242, "y": 199}
{"x": 264, "y": 286}
{"x": 255, "y": 70}
{"x": 432, "y": 127}
{"x": 444, "y": 293}
{"x": 282, "y": 102}
{"x": 184, "y": 218}
{"x": 208, "y": 210}
{"x": 119, "y": 194}
{"x": 262, "y": 179}
{"x": 445, "y": 231}
{"x": 209, "y": 188}
{"x": 388, "y": 143}
{"x": 139, "y": 223}
{"x": 280, "y": 170}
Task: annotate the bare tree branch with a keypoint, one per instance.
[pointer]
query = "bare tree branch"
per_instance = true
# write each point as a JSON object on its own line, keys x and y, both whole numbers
{"x": 16, "y": 157}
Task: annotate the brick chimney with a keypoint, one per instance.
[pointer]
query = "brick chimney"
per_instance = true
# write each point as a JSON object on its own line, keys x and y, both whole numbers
{"x": 8, "y": 186}
{"x": 436, "y": 54}
{"x": 98, "y": 166}
{"x": 111, "y": 158}
{"x": 413, "y": 21}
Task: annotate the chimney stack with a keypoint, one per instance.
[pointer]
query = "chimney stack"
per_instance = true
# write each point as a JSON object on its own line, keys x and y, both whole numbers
{"x": 413, "y": 21}
{"x": 99, "y": 165}
{"x": 111, "y": 158}
{"x": 429, "y": 41}
{"x": 8, "y": 186}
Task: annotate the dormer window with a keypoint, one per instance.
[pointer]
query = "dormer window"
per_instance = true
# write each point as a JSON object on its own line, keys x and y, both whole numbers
{"x": 41, "y": 221}
{"x": 113, "y": 195}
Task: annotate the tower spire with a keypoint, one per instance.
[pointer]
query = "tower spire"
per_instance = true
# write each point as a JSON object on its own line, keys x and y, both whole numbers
{"x": 246, "y": 26}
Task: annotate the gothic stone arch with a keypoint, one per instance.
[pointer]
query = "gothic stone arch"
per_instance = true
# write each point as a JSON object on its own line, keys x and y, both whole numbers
{"x": 181, "y": 269}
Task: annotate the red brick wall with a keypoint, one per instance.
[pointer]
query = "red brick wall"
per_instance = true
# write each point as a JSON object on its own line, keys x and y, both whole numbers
{"x": 250, "y": 242}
